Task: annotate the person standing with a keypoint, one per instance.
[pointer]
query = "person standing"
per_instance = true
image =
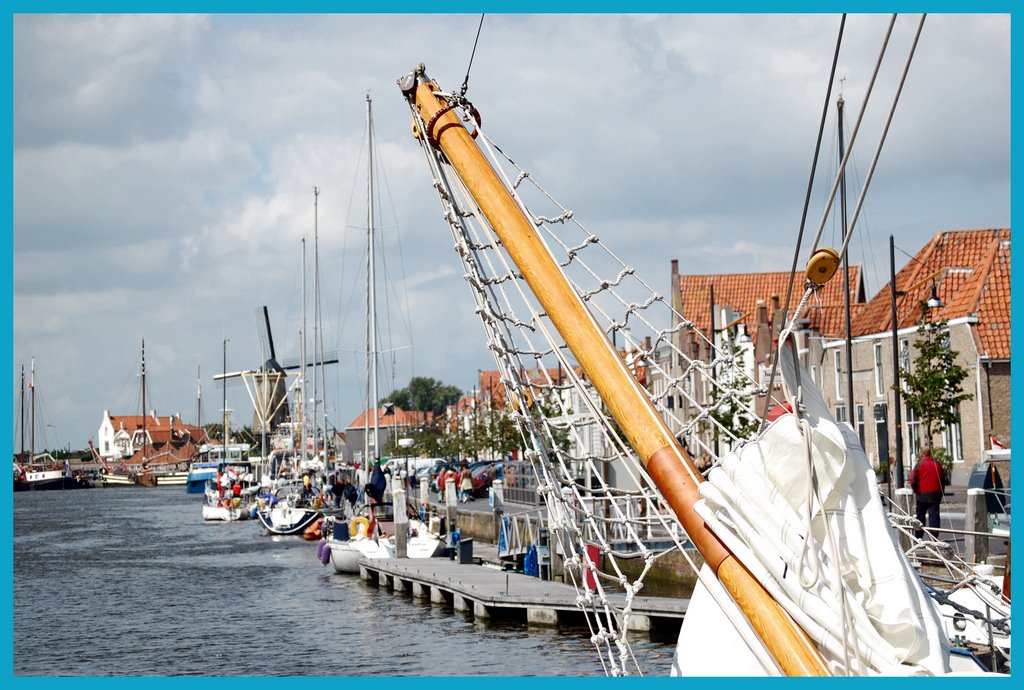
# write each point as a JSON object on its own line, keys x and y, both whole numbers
{"x": 466, "y": 484}
{"x": 926, "y": 479}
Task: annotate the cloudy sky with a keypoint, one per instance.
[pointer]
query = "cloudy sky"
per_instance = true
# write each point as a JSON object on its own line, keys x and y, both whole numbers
{"x": 164, "y": 168}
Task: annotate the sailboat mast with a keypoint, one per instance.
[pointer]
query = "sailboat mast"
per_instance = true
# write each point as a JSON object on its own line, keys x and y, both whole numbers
{"x": 846, "y": 271}
{"x": 371, "y": 295}
{"x": 22, "y": 454}
{"x": 199, "y": 398}
{"x": 320, "y": 337}
{"x": 145, "y": 444}
{"x": 32, "y": 412}
{"x": 666, "y": 462}
{"x": 302, "y": 364}
{"x": 316, "y": 312}
{"x": 224, "y": 441}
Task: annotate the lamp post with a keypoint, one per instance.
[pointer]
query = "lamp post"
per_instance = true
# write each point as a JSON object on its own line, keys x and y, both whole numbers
{"x": 933, "y": 302}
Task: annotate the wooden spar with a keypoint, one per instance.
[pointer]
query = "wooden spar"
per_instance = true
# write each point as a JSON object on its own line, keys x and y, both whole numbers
{"x": 667, "y": 463}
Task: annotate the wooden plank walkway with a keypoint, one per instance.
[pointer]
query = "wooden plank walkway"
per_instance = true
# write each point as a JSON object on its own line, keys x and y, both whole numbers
{"x": 492, "y": 594}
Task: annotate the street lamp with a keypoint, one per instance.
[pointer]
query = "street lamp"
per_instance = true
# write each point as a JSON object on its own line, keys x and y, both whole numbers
{"x": 933, "y": 302}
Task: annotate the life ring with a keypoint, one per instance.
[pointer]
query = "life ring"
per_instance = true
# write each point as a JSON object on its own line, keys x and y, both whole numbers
{"x": 353, "y": 527}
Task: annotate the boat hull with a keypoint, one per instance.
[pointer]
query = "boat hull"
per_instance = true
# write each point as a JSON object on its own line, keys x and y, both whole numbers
{"x": 287, "y": 520}
{"x": 215, "y": 513}
{"x": 110, "y": 480}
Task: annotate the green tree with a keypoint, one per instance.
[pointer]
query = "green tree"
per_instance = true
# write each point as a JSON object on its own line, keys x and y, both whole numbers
{"x": 424, "y": 394}
{"x": 933, "y": 388}
{"x": 731, "y": 408}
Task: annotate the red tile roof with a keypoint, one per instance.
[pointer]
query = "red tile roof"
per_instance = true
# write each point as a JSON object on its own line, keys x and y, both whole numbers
{"x": 399, "y": 418}
{"x": 742, "y": 291}
{"x": 971, "y": 273}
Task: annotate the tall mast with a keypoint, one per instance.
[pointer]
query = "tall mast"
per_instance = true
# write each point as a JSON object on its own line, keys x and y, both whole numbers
{"x": 302, "y": 364}
{"x": 318, "y": 324}
{"x": 32, "y": 412}
{"x": 665, "y": 461}
{"x": 372, "y": 396}
{"x": 316, "y": 311}
{"x": 145, "y": 444}
{"x": 224, "y": 432}
{"x": 846, "y": 273}
{"x": 199, "y": 398}
{"x": 21, "y": 456}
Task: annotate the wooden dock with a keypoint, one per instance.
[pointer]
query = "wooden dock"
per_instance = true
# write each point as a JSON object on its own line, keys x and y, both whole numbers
{"x": 489, "y": 593}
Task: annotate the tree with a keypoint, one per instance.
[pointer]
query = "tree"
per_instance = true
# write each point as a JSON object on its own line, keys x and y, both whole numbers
{"x": 731, "y": 407}
{"x": 424, "y": 394}
{"x": 933, "y": 389}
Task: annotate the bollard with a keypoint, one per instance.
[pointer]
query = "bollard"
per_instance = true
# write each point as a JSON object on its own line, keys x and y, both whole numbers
{"x": 976, "y": 520}
{"x": 401, "y": 525}
{"x": 496, "y": 498}
{"x": 424, "y": 490}
{"x": 451, "y": 500}
{"x": 905, "y": 500}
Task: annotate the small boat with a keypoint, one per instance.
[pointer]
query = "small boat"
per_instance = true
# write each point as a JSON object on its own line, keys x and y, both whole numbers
{"x": 225, "y": 508}
{"x": 38, "y": 471}
{"x": 373, "y": 536}
{"x": 287, "y": 511}
{"x": 213, "y": 458}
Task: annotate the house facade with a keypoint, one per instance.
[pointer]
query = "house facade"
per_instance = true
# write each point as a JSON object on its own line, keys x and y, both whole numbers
{"x": 139, "y": 440}
{"x": 968, "y": 272}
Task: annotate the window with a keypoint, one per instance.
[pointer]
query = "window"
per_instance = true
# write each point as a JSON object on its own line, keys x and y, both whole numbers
{"x": 879, "y": 377}
{"x": 860, "y": 424}
{"x": 913, "y": 433}
{"x": 839, "y": 374}
{"x": 814, "y": 375}
{"x": 955, "y": 442}
{"x": 841, "y": 414}
{"x": 882, "y": 433}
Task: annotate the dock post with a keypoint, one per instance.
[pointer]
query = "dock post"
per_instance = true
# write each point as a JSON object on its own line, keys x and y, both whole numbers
{"x": 451, "y": 500}
{"x": 424, "y": 491}
{"x": 497, "y": 501}
{"x": 905, "y": 500}
{"x": 401, "y": 525}
{"x": 976, "y": 520}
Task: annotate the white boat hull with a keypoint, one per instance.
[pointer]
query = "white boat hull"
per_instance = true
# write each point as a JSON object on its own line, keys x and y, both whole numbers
{"x": 287, "y": 520}
{"x": 224, "y": 513}
{"x": 346, "y": 555}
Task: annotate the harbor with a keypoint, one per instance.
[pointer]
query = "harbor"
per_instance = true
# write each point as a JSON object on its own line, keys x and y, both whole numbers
{"x": 747, "y": 471}
{"x": 134, "y": 579}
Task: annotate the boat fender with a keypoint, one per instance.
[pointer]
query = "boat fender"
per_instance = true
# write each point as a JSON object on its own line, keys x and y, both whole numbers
{"x": 325, "y": 555}
{"x": 353, "y": 527}
{"x": 822, "y": 265}
{"x": 320, "y": 547}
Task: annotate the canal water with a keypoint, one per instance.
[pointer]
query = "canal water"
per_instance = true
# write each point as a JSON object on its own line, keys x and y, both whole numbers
{"x": 132, "y": 582}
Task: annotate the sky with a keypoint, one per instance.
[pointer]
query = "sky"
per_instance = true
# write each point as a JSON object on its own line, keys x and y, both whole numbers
{"x": 164, "y": 168}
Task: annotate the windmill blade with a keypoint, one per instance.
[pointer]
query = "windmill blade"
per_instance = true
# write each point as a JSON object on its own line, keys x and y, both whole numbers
{"x": 330, "y": 357}
{"x": 265, "y": 334}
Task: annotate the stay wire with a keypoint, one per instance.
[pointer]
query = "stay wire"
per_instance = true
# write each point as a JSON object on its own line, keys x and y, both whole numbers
{"x": 807, "y": 203}
{"x": 465, "y": 82}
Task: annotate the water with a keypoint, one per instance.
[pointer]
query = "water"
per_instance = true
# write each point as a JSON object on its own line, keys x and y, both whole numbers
{"x": 132, "y": 581}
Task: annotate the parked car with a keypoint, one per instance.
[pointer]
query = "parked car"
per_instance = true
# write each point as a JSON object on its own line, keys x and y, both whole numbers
{"x": 482, "y": 476}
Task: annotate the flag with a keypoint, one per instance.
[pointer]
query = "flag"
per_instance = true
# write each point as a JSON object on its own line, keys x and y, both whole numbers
{"x": 377, "y": 484}
{"x": 996, "y": 445}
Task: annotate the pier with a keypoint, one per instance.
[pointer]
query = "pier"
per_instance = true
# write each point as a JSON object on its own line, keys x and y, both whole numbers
{"x": 489, "y": 593}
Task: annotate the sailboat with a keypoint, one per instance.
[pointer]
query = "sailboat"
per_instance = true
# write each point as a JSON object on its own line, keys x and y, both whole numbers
{"x": 292, "y": 508}
{"x": 799, "y": 568}
{"x": 372, "y": 535}
{"x": 34, "y": 472}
